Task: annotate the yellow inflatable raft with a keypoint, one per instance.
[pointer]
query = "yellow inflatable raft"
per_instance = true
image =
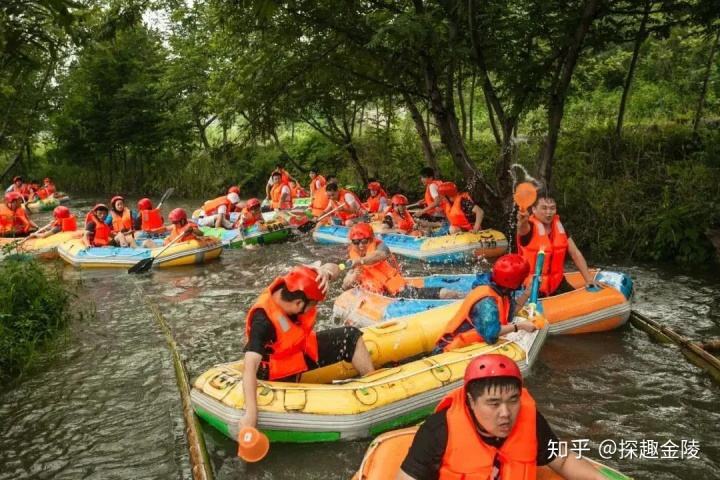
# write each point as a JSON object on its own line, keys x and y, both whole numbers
{"x": 45, "y": 248}
{"x": 386, "y": 453}
{"x": 329, "y": 404}
{"x": 197, "y": 251}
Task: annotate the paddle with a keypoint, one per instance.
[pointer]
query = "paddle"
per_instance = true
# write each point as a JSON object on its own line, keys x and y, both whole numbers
{"x": 535, "y": 285}
{"x": 165, "y": 196}
{"x": 525, "y": 195}
{"x": 306, "y": 227}
{"x": 146, "y": 263}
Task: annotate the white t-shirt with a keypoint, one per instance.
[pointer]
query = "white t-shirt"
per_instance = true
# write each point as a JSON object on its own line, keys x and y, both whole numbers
{"x": 318, "y": 183}
{"x": 434, "y": 190}
{"x": 350, "y": 201}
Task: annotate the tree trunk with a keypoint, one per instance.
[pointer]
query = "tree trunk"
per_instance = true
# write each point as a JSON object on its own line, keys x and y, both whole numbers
{"x": 286, "y": 155}
{"x": 427, "y": 148}
{"x": 493, "y": 124}
{"x": 471, "y": 112}
{"x": 355, "y": 159}
{"x": 703, "y": 92}
{"x": 203, "y": 136}
{"x": 639, "y": 39}
{"x": 461, "y": 102}
{"x": 559, "y": 89}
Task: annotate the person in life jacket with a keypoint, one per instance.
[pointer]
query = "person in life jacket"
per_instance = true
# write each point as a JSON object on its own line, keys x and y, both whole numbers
{"x": 282, "y": 342}
{"x": 240, "y": 205}
{"x": 97, "y": 229}
{"x": 397, "y": 217}
{"x": 320, "y": 200}
{"x": 181, "y": 226}
{"x": 352, "y": 209}
{"x": 280, "y": 193}
{"x": 19, "y": 186}
{"x": 377, "y": 202}
{"x": 489, "y": 429}
{"x": 216, "y": 212}
{"x": 297, "y": 191}
{"x": 14, "y": 220}
{"x": 317, "y": 182}
{"x": 49, "y": 186}
{"x": 461, "y": 212}
{"x": 251, "y": 215}
{"x": 63, "y": 221}
{"x": 149, "y": 219}
{"x": 122, "y": 222}
{"x": 432, "y": 201}
{"x": 285, "y": 177}
{"x": 486, "y": 312}
{"x": 374, "y": 268}
{"x": 541, "y": 229}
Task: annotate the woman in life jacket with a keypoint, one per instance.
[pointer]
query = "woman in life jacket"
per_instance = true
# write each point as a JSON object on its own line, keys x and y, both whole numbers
{"x": 14, "y": 220}
{"x": 397, "y": 218}
{"x": 122, "y": 223}
{"x": 377, "y": 202}
{"x": 461, "y": 212}
{"x": 97, "y": 228}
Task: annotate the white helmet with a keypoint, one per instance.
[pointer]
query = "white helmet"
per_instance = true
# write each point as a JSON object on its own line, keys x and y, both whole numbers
{"x": 234, "y": 198}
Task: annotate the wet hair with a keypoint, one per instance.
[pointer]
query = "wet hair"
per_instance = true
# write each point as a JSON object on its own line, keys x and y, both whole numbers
{"x": 476, "y": 388}
{"x": 276, "y": 174}
{"x": 289, "y": 296}
{"x": 427, "y": 172}
{"x": 543, "y": 194}
{"x": 331, "y": 187}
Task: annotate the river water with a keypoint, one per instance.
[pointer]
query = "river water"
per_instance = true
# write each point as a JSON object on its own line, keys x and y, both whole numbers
{"x": 104, "y": 405}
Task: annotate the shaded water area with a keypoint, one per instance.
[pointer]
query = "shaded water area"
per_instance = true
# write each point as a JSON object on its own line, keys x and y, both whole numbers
{"x": 105, "y": 404}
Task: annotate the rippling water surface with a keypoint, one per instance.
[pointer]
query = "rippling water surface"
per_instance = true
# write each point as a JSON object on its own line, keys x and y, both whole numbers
{"x": 105, "y": 404}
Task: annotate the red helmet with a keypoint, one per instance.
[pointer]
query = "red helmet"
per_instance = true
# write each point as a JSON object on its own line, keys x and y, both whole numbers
{"x": 234, "y": 189}
{"x": 449, "y": 189}
{"x": 374, "y": 186}
{"x": 115, "y": 199}
{"x": 144, "y": 204}
{"x": 16, "y": 178}
{"x": 100, "y": 206}
{"x": 510, "y": 271}
{"x": 252, "y": 203}
{"x": 12, "y": 196}
{"x": 399, "y": 199}
{"x": 492, "y": 365}
{"x": 304, "y": 278}
{"x": 177, "y": 215}
{"x": 360, "y": 231}
{"x": 61, "y": 212}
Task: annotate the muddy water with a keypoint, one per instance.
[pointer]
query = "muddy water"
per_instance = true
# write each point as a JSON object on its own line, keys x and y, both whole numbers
{"x": 105, "y": 405}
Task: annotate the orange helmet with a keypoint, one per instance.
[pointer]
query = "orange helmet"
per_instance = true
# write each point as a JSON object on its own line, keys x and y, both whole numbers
{"x": 448, "y": 189}
{"x": 61, "y": 212}
{"x": 492, "y": 365}
{"x": 399, "y": 199}
{"x": 144, "y": 204}
{"x": 360, "y": 231}
{"x": 510, "y": 271}
{"x": 234, "y": 189}
{"x": 303, "y": 279}
{"x": 177, "y": 215}
{"x": 252, "y": 203}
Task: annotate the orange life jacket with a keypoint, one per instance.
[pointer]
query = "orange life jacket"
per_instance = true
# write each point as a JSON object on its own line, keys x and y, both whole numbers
{"x": 468, "y": 457}
{"x": 248, "y": 218}
{"x": 471, "y": 335}
{"x": 318, "y": 179}
{"x": 429, "y": 198}
{"x": 380, "y": 277}
{"x": 101, "y": 237}
{"x": 66, "y": 224}
{"x": 555, "y": 245}
{"x": 175, "y": 232}
{"x": 152, "y": 221}
{"x": 43, "y": 193}
{"x": 50, "y": 188}
{"x": 211, "y": 206}
{"x": 456, "y": 217}
{"x": 121, "y": 222}
{"x": 293, "y": 340}
{"x": 373, "y": 203}
{"x": 13, "y": 221}
{"x": 276, "y": 196}
{"x": 404, "y": 222}
{"x": 343, "y": 214}
{"x": 320, "y": 201}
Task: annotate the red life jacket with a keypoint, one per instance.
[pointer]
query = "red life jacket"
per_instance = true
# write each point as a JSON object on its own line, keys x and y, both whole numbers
{"x": 555, "y": 245}
{"x": 373, "y": 203}
{"x": 151, "y": 221}
{"x": 211, "y": 206}
{"x": 468, "y": 457}
{"x": 456, "y": 217}
{"x": 405, "y": 222}
{"x": 380, "y": 277}
{"x": 293, "y": 340}
{"x": 471, "y": 335}
{"x": 43, "y": 193}
{"x": 101, "y": 237}
{"x": 66, "y": 224}
{"x": 429, "y": 198}
{"x": 13, "y": 221}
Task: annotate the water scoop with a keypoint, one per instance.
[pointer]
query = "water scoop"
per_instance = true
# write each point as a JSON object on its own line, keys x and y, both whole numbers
{"x": 253, "y": 445}
{"x": 525, "y": 195}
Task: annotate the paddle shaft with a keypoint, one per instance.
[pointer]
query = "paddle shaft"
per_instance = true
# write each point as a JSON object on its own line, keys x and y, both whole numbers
{"x": 325, "y": 215}
{"x": 165, "y": 196}
{"x": 145, "y": 265}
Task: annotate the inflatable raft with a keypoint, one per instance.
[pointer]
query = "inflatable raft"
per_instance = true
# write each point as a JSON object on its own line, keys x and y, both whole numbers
{"x": 197, "y": 251}
{"x": 45, "y": 248}
{"x": 275, "y": 232}
{"x": 43, "y": 205}
{"x": 455, "y": 248}
{"x": 331, "y": 404}
{"x": 579, "y": 311}
{"x": 386, "y": 453}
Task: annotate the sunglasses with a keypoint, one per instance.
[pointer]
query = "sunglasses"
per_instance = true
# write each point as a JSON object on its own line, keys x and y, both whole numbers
{"x": 362, "y": 241}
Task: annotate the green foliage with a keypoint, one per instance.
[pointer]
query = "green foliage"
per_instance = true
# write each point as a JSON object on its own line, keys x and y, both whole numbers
{"x": 34, "y": 308}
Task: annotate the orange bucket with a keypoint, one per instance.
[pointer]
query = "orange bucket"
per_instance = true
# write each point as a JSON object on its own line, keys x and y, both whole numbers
{"x": 525, "y": 195}
{"x": 253, "y": 445}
